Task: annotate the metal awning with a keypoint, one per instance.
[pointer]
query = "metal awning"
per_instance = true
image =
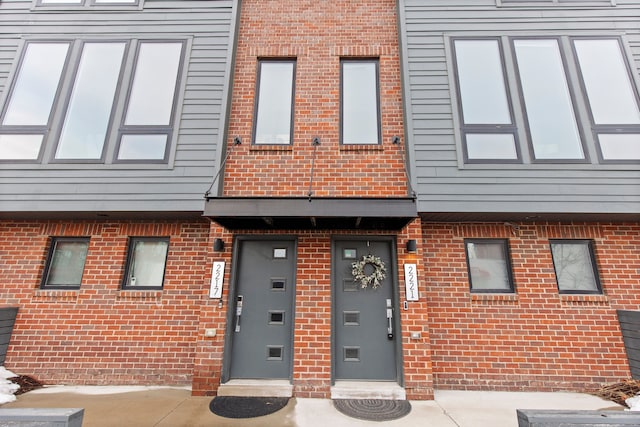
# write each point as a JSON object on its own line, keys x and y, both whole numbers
{"x": 288, "y": 213}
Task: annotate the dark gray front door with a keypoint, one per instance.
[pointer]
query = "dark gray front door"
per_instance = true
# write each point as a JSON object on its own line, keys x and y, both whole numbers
{"x": 263, "y": 310}
{"x": 365, "y": 348}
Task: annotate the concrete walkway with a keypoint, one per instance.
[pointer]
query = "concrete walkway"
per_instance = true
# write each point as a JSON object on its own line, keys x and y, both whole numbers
{"x": 175, "y": 407}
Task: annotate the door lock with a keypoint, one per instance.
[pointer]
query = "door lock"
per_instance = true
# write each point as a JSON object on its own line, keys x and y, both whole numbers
{"x": 238, "y": 312}
{"x": 389, "y": 320}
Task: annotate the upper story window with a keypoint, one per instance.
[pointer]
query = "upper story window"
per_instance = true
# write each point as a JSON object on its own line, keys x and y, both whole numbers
{"x": 539, "y": 3}
{"x": 575, "y": 266}
{"x": 273, "y": 116}
{"x": 557, "y": 80}
{"x": 87, "y": 3}
{"x": 359, "y": 102}
{"x": 489, "y": 265}
{"x": 66, "y": 103}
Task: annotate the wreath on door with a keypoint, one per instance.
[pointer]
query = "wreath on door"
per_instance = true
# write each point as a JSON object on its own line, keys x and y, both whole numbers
{"x": 373, "y": 279}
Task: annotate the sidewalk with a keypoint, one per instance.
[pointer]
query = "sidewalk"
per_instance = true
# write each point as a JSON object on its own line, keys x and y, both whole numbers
{"x": 175, "y": 407}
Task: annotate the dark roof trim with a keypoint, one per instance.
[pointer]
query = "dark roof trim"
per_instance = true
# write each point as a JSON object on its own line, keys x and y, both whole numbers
{"x": 315, "y": 213}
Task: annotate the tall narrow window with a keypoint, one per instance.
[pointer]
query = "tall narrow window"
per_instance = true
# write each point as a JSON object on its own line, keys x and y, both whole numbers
{"x": 87, "y": 119}
{"x": 151, "y": 102}
{"x": 28, "y": 110}
{"x": 274, "y": 103}
{"x": 65, "y": 263}
{"x": 487, "y": 125}
{"x": 613, "y": 100}
{"x": 575, "y": 266}
{"x": 360, "y": 106}
{"x": 552, "y": 126}
{"x": 146, "y": 263}
{"x": 489, "y": 265}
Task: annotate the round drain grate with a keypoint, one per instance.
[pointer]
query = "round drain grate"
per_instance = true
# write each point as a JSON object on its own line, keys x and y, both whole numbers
{"x": 373, "y": 409}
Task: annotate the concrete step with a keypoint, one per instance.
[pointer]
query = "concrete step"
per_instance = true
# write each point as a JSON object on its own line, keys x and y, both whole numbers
{"x": 256, "y": 388}
{"x": 367, "y": 390}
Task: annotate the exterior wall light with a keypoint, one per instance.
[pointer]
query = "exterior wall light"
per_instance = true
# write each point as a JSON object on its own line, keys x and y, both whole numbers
{"x": 218, "y": 245}
{"x": 412, "y": 245}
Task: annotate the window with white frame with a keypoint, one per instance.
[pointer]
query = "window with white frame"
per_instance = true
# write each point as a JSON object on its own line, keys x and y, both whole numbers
{"x": 146, "y": 261}
{"x": 572, "y": 93}
{"x": 81, "y": 82}
{"x": 87, "y": 3}
{"x": 273, "y": 118}
{"x": 359, "y": 102}
{"x": 575, "y": 267}
{"x": 65, "y": 263}
{"x": 489, "y": 265}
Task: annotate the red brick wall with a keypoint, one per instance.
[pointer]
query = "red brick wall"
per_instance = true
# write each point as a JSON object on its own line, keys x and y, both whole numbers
{"x": 317, "y": 34}
{"x": 535, "y": 339}
{"x": 100, "y": 334}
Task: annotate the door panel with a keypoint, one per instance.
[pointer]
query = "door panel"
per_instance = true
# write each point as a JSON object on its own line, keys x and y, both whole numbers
{"x": 263, "y": 312}
{"x": 363, "y": 348}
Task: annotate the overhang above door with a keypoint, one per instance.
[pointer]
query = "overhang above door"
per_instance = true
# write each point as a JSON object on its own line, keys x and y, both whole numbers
{"x": 280, "y": 213}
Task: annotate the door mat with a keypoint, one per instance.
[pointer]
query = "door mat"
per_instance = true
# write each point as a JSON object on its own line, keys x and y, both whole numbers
{"x": 246, "y": 407}
{"x": 373, "y": 409}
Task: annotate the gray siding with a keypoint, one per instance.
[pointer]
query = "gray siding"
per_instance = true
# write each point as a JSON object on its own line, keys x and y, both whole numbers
{"x": 178, "y": 186}
{"x": 443, "y": 183}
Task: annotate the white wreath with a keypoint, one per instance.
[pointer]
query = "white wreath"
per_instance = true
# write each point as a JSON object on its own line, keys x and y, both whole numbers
{"x": 374, "y": 279}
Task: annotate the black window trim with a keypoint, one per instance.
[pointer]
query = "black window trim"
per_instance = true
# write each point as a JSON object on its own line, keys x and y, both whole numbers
{"x": 376, "y": 62}
{"x": 508, "y": 266}
{"x": 125, "y": 279}
{"x": 35, "y": 129}
{"x": 254, "y": 125}
{"x": 64, "y": 104}
{"x": 573, "y": 97}
{"x": 596, "y": 129}
{"x": 150, "y": 129}
{"x": 51, "y": 249}
{"x": 594, "y": 266}
{"x": 506, "y": 129}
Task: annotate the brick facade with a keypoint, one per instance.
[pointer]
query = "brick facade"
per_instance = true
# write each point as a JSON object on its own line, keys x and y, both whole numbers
{"x": 100, "y": 334}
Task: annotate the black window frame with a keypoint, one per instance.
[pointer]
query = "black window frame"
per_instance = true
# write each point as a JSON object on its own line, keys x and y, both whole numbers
{"x": 507, "y": 254}
{"x": 376, "y": 62}
{"x": 254, "y": 126}
{"x": 617, "y": 129}
{"x": 125, "y": 285}
{"x": 50, "y": 255}
{"x": 44, "y": 130}
{"x": 594, "y": 266}
{"x": 587, "y": 129}
{"x": 507, "y": 129}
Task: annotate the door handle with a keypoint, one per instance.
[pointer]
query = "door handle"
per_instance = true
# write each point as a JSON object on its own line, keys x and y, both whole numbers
{"x": 389, "y": 320}
{"x": 238, "y": 312}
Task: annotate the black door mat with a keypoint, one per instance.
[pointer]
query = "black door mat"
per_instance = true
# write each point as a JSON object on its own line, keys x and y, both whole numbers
{"x": 246, "y": 407}
{"x": 373, "y": 409}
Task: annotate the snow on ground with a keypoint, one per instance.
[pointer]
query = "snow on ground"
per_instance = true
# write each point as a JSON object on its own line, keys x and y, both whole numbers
{"x": 7, "y": 388}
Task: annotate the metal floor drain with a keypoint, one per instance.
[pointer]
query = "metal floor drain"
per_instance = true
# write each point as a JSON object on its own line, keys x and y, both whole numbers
{"x": 373, "y": 409}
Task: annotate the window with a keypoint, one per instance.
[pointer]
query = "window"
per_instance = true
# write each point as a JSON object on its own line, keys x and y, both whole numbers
{"x": 489, "y": 265}
{"x": 146, "y": 261}
{"x": 65, "y": 263}
{"x": 575, "y": 267}
{"x": 86, "y": 2}
{"x": 88, "y": 124}
{"x": 557, "y": 80}
{"x": 487, "y": 123}
{"x": 613, "y": 100}
{"x": 360, "y": 106}
{"x": 274, "y": 102}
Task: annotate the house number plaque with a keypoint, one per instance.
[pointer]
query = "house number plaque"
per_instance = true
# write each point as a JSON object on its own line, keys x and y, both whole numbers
{"x": 217, "y": 280}
{"x": 411, "y": 282}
